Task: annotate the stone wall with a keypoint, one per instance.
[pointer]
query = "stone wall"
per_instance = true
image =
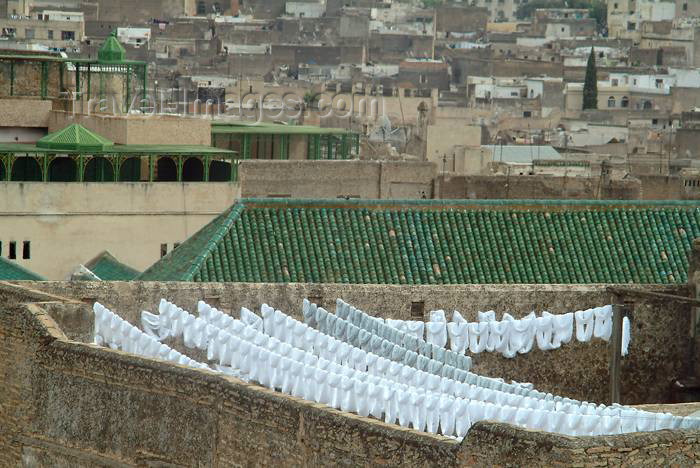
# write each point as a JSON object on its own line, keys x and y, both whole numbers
{"x": 135, "y": 130}
{"x": 25, "y": 113}
{"x": 658, "y": 351}
{"x": 536, "y": 187}
{"x": 66, "y": 403}
{"x": 332, "y": 179}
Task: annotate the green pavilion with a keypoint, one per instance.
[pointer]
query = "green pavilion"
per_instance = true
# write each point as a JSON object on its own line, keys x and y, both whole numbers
{"x": 279, "y": 141}
{"x": 53, "y": 76}
{"x": 76, "y": 154}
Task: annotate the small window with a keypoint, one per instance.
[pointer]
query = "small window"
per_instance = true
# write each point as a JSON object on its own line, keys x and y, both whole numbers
{"x": 417, "y": 310}
{"x": 685, "y": 7}
{"x": 29, "y": 33}
{"x": 67, "y": 35}
{"x": 611, "y": 101}
{"x": 50, "y": 33}
{"x": 26, "y": 250}
{"x": 527, "y": 114}
{"x": 422, "y": 79}
{"x": 163, "y": 250}
{"x": 625, "y": 101}
{"x": 13, "y": 251}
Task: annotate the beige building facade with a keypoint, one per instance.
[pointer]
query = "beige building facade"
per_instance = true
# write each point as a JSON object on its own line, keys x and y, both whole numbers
{"x": 64, "y": 225}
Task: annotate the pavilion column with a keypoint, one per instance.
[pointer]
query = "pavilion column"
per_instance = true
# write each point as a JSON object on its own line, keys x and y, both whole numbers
{"x": 206, "y": 161}
{"x": 179, "y": 168}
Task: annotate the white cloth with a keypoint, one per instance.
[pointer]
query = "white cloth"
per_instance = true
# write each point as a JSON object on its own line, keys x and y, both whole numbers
{"x": 488, "y": 316}
{"x": 438, "y": 316}
{"x": 563, "y": 328}
{"x": 459, "y": 336}
{"x": 544, "y": 331}
{"x": 603, "y": 322}
{"x": 478, "y": 336}
{"x": 415, "y": 328}
{"x": 436, "y": 332}
{"x": 626, "y": 335}
{"x": 584, "y": 325}
{"x": 457, "y": 317}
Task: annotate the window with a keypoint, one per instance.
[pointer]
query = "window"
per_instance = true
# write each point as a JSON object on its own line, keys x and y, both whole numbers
{"x": 201, "y": 8}
{"x": 514, "y": 93}
{"x": 685, "y": 7}
{"x": 50, "y": 33}
{"x": 26, "y": 250}
{"x": 422, "y": 79}
{"x": 615, "y": 6}
{"x": 631, "y": 26}
{"x": 655, "y": 121}
{"x": 13, "y": 251}
{"x": 67, "y": 35}
{"x": 615, "y": 82}
{"x": 417, "y": 309}
{"x": 625, "y": 102}
{"x": 611, "y": 101}
{"x": 29, "y": 33}
{"x": 163, "y": 250}
{"x": 647, "y": 105}
{"x": 659, "y": 83}
{"x": 527, "y": 114}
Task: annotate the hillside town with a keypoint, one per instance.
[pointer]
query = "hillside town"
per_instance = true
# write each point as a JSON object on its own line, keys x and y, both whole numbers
{"x": 349, "y": 232}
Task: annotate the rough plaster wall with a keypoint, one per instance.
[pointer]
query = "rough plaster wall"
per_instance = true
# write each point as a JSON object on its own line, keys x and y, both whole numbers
{"x": 331, "y": 179}
{"x": 538, "y": 187}
{"x": 25, "y": 113}
{"x": 658, "y": 352}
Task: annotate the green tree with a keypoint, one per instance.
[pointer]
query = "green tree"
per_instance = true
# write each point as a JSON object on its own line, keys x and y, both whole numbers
{"x": 590, "y": 85}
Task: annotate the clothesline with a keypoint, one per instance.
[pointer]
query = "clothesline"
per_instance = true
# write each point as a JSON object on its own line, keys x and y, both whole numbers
{"x": 279, "y": 352}
{"x": 511, "y": 336}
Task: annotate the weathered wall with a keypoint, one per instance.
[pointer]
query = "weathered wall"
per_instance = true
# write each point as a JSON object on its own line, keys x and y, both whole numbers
{"x": 658, "y": 352}
{"x": 332, "y": 179}
{"x": 535, "y": 186}
{"x": 70, "y": 223}
{"x": 25, "y": 113}
{"x": 66, "y": 403}
{"x": 156, "y": 130}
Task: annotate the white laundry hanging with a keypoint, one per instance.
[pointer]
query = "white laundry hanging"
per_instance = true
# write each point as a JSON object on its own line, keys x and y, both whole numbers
{"x": 459, "y": 336}
{"x": 438, "y": 316}
{"x": 584, "y": 325}
{"x": 603, "y": 322}
{"x": 436, "y": 332}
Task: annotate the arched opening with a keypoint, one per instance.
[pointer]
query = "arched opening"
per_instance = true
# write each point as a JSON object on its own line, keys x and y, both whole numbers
{"x": 647, "y": 105}
{"x": 166, "y": 170}
{"x": 611, "y": 101}
{"x": 193, "y": 170}
{"x": 3, "y": 173}
{"x": 26, "y": 169}
{"x": 63, "y": 169}
{"x": 625, "y": 101}
{"x": 219, "y": 171}
{"x": 98, "y": 170}
{"x": 130, "y": 170}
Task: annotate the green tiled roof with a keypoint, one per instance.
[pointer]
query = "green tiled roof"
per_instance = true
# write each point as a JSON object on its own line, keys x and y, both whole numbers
{"x": 74, "y": 137}
{"x": 11, "y": 271}
{"x": 108, "y": 268}
{"x": 439, "y": 242}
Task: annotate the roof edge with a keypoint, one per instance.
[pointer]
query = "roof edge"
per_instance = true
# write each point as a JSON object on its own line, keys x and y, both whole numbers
{"x": 233, "y": 215}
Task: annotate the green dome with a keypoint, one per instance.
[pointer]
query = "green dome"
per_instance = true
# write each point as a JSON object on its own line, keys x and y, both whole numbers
{"x": 111, "y": 51}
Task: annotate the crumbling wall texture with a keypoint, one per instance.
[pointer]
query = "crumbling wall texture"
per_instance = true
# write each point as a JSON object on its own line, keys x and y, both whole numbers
{"x": 66, "y": 403}
{"x": 659, "y": 351}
